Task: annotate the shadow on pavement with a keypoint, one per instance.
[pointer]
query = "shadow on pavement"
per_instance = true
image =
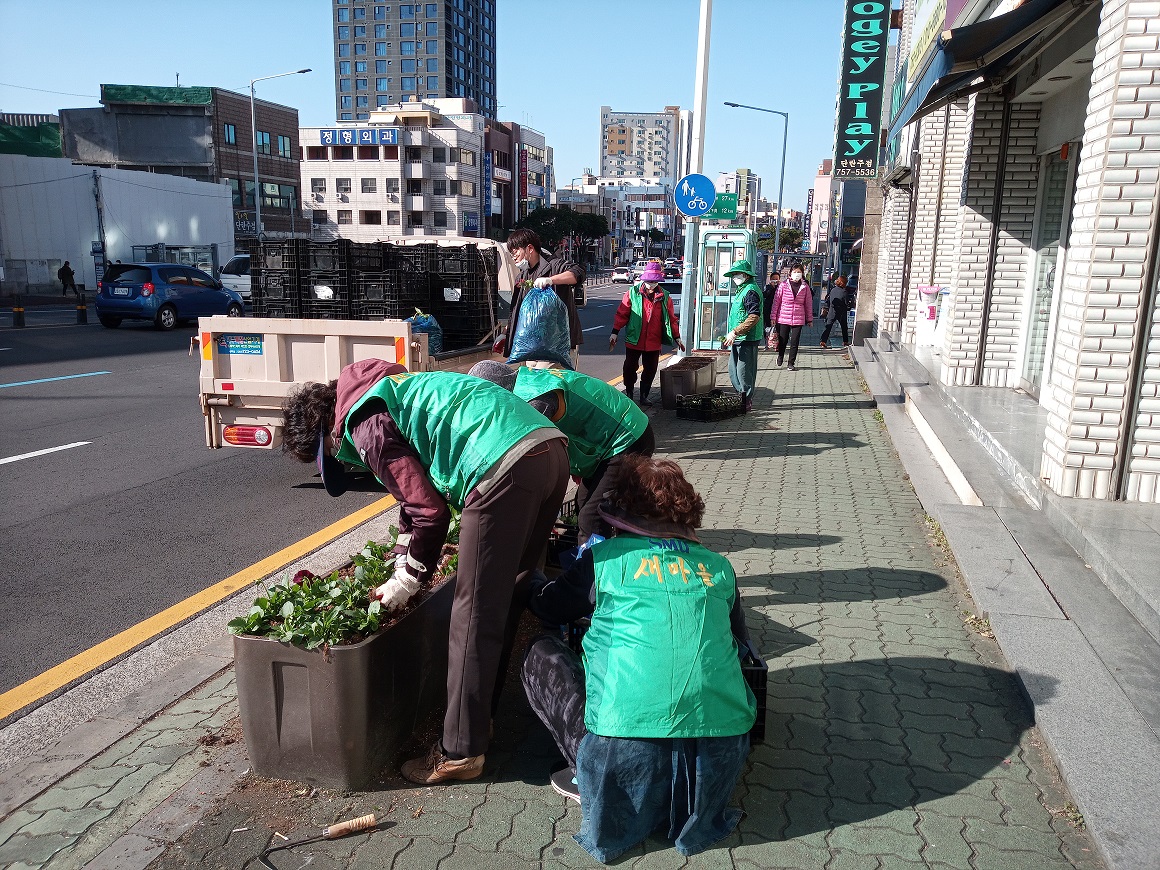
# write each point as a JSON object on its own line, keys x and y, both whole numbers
{"x": 721, "y": 444}
{"x": 852, "y": 741}
{"x": 726, "y": 541}
{"x": 834, "y": 585}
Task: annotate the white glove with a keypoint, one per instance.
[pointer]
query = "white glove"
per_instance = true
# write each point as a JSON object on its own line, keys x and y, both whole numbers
{"x": 730, "y": 337}
{"x": 397, "y": 591}
{"x": 542, "y": 282}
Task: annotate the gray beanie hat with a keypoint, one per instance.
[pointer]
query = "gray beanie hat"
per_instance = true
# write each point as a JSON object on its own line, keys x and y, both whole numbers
{"x": 496, "y": 372}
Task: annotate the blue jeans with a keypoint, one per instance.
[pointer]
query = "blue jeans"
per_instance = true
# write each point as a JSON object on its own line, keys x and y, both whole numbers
{"x": 743, "y": 367}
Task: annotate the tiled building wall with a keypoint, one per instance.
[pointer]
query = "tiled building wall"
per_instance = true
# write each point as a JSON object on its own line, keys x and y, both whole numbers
{"x": 1106, "y": 280}
{"x": 1019, "y": 179}
{"x": 891, "y": 254}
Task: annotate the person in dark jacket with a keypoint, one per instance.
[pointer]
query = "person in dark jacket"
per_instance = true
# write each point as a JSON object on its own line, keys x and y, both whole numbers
{"x": 66, "y": 276}
{"x": 767, "y": 306}
{"x": 837, "y": 299}
{"x": 434, "y": 440}
{"x": 536, "y": 266}
{"x": 654, "y": 722}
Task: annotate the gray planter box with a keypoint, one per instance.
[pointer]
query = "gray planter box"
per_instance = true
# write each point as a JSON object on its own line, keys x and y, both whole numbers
{"x": 692, "y": 376}
{"x": 334, "y": 720}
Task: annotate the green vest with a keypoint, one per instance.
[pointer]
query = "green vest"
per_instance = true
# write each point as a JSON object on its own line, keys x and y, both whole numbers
{"x": 459, "y": 425}
{"x": 636, "y": 317}
{"x": 737, "y": 311}
{"x": 599, "y": 420}
{"x": 660, "y": 659}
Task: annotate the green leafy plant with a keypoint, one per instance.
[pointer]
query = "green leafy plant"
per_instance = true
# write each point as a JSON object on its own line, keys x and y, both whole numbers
{"x": 312, "y": 612}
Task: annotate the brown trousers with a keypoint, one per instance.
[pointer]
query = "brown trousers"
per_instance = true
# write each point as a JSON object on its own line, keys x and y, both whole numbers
{"x": 501, "y": 541}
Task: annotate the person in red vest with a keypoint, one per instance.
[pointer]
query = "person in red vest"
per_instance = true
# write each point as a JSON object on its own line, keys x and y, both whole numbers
{"x": 647, "y": 312}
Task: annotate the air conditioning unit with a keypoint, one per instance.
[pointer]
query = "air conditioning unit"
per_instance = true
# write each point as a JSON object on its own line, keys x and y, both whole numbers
{"x": 342, "y": 197}
{"x": 317, "y": 197}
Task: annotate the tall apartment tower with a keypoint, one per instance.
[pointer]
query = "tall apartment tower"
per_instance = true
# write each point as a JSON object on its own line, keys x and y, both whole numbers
{"x": 389, "y": 53}
{"x": 643, "y": 144}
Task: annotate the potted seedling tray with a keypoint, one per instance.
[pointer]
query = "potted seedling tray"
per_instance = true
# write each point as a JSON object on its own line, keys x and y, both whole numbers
{"x": 717, "y": 405}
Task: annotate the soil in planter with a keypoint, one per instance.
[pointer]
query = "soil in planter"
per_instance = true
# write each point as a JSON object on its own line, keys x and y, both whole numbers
{"x": 689, "y": 363}
{"x": 426, "y": 588}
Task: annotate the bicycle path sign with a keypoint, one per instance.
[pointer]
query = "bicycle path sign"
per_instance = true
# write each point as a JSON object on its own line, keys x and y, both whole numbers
{"x": 695, "y": 195}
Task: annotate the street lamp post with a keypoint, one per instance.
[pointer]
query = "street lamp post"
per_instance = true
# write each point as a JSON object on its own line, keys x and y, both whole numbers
{"x": 781, "y": 184}
{"x": 254, "y": 132}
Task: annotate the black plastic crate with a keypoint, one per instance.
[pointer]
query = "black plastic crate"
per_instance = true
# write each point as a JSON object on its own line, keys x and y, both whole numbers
{"x": 756, "y": 674}
{"x": 327, "y": 287}
{"x": 276, "y": 308}
{"x": 280, "y": 285}
{"x": 417, "y": 258}
{"x": 325, "y": 310}
{"x": 455, "y": 261}
{"x": 288, "y": 255}
{"x": 382, "y": 310}
{"x": 709, "y": 407}
{"x": 330, "y": 256}
{"x": 369, "y": 257}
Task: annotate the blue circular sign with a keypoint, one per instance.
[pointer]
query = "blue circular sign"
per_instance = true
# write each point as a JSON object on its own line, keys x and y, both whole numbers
{"x": 694, "y": 195}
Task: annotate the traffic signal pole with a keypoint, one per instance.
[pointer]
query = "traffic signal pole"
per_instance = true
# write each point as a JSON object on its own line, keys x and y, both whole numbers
{"x": 690, "y": 281}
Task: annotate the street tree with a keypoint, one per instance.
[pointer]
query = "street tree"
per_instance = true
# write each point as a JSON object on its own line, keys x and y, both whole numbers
{"x": 791, "y": 239}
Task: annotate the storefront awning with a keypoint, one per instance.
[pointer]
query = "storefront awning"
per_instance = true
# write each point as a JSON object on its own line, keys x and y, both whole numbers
{"x": 967, "y": 59}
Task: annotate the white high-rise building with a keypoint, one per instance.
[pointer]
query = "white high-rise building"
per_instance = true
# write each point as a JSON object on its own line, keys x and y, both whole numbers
{"x": 644, "y": 144}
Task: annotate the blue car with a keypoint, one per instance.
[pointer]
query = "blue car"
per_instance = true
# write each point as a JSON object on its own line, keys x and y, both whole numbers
{"x": 165, "y": 293}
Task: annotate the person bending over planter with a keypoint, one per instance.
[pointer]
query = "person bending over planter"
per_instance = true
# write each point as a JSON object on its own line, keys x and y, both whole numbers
{"x": 603, "y": 425}
{"x": 435, "y": 439}
{"x": 656, "y": 720}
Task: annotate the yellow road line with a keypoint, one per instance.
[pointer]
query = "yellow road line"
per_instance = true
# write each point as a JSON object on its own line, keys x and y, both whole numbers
{"x": 619, "y": 379}
{"x": 119, "y": 644}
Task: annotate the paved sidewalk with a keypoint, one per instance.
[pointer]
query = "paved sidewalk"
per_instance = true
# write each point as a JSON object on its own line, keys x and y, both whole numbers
{"x": 896, "y": 736}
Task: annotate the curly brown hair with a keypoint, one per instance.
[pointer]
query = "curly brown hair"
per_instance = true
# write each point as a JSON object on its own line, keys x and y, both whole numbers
{"x": 657, "y": 489}
{"x": 304, "y": 412}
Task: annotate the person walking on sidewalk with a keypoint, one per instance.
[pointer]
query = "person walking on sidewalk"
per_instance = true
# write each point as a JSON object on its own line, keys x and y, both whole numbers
{"x": 602, "y": 424}
{"x": 744, "y": 336}
{"x": 837, "y": 300}
{"x": 646, "y": 309}
{"x": 770, "y": 328}
{"x": 793, "y": 306}
{"x": 67, "y": 277}
{"x": 659, "y": 693}
{"x": 537, "y": 267}
{"x": 434, "y": 440}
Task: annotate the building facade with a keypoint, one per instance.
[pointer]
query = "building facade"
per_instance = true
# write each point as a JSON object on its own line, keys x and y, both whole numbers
{"x": 404, "y": 52}
{"x": 1020, "y": 211}
{"x": 199, "y": 133}
{"x": 412, "y": 169}
{"x": 819, "y": 202}
{"x": 644, "y": 144}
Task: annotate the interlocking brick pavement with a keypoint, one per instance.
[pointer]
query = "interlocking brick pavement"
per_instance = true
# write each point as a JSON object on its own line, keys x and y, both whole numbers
{"x": 896, "y": 736}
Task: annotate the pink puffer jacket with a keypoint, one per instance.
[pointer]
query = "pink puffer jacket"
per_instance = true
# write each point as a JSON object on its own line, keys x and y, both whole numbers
{"x": 791, "y": 309}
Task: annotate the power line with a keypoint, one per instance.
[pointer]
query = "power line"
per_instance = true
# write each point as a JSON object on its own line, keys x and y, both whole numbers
{"x": 47, "y": 181}
{"x": 44, "y": 91}
{"x": 162, "y": 189}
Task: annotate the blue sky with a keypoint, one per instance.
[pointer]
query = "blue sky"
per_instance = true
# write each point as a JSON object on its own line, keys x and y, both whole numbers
{"x": 558, "y": 62}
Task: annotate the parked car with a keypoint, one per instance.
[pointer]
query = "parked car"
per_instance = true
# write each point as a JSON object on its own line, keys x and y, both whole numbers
{"x": 164, "y": 293}
{"x": 236, "y": 276}
{"x": 622, "y": 275}
{"x": 672, "y": 271}
{"x": 639, "y": 266}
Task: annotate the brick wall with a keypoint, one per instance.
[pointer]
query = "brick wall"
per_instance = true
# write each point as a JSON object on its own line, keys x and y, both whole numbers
{"x": 891, "y": 253}
{"x": 973, "y": 223}
{"x": 1104, "y": 290}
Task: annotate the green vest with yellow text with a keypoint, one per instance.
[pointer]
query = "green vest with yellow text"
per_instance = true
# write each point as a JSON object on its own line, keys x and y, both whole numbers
{"x": 660, "y": 659}
{"x": 459, "y": 425}
{"x": 600, "y": 421}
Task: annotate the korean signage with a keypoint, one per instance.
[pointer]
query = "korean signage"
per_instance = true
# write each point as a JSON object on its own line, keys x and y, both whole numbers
{"x": 536, "y": 190}
{"x": 486, "y": 184}
{"x": 523, "y": 192}
{"x": 245, "y": 224}
{"x": 864, "y": 38}
{"x": 809, "y": 217}
{"x": 724, "y": 208}
{"x": 470, "y": 222}
{"x": 231, "y": 344}
{"x": 502, "y": 174}
{"x": 360, "y": 136}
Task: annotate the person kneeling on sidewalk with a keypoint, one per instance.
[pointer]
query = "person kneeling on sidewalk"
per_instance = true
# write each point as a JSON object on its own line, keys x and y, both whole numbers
{"x": 435, "y": 439}
{"x": 655, "y": 722}
{"x": 603, "y": 425}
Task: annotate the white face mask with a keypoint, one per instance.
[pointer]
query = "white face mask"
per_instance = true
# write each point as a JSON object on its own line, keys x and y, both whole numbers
{"x": 738, "y": 280}
{"x": 521, "y": 265}
{"x": 650, "y": 285}
{"x": 795, "y": 276}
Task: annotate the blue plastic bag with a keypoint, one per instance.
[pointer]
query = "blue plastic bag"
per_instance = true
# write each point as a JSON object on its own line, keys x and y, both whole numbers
{"x": 421, "y": 322}
{"x": 542, "y": 332}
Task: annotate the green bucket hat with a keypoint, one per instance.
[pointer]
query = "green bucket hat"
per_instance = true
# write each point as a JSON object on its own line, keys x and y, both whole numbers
{"x": 741, "y": 267}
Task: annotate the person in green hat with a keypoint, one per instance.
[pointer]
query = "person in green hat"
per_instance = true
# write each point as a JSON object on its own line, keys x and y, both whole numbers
{"x": 744, "y": 336}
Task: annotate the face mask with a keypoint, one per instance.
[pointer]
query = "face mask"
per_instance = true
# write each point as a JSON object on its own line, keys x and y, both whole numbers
{"x": 650, "y": 285}
{"x": 738, "y": 280}
{"x": 796, "y": 276}
{"x": 521, "y": 265}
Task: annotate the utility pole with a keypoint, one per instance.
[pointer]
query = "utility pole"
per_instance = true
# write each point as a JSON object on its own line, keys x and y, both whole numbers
{"x": 691, "y": 279}
{"x": 100, "y": 218}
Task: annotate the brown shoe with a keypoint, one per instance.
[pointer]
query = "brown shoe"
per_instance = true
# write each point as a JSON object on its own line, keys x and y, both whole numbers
{"x": 437, "y": 768}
